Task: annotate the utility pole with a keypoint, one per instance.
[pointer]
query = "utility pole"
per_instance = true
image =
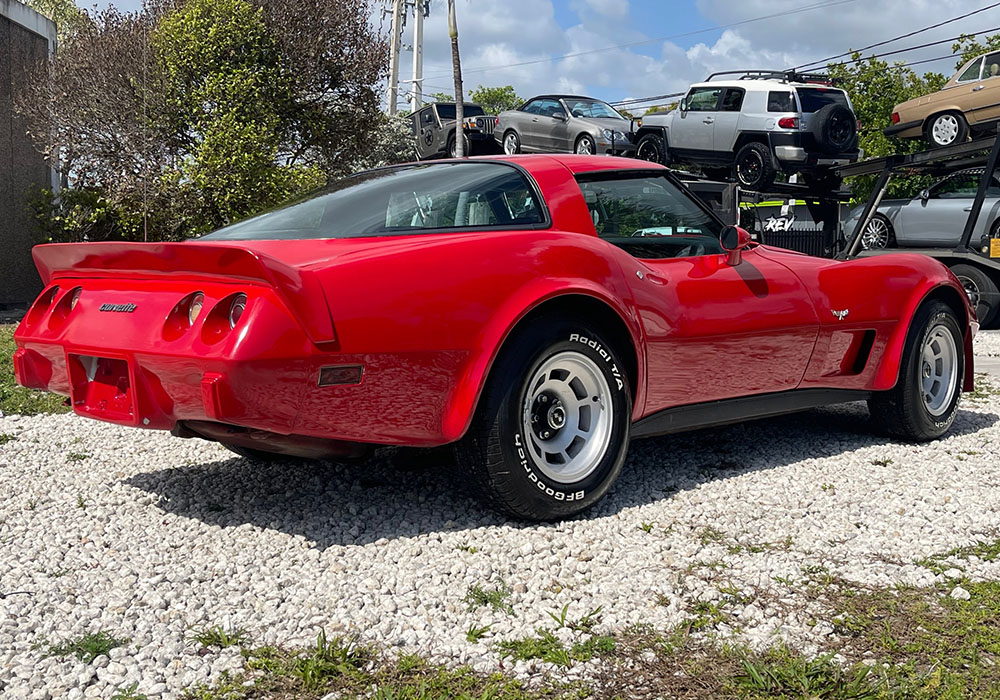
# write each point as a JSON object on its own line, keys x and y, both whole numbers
{"x": 394, "y": 37}
{"x": 421, "y": 8}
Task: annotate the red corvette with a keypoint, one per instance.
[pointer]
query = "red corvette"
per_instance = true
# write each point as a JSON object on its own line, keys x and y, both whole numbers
{"x": 536, "y": 311}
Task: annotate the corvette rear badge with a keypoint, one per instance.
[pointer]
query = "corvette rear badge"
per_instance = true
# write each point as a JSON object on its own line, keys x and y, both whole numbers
{"x": 841, "y": 315}
{"x": 117, "y": 308}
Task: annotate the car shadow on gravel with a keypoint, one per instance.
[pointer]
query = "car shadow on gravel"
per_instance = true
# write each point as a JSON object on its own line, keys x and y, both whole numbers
{"x": 334, "y": 504}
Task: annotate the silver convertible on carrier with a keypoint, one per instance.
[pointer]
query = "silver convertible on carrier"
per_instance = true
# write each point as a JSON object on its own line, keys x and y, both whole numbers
{"x": 564, "y": 124}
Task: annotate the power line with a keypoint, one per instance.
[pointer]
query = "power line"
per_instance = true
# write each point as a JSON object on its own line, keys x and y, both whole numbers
{"x": 797, "y": 10}
{"x": 912, "y": 48}
{"x": 897, "y": 38}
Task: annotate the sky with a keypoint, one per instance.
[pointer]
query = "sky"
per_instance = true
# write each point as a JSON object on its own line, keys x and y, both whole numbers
{"x": 640, "y": 48}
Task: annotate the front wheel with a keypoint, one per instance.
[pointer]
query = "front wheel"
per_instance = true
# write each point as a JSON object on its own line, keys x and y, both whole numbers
{"x": 878, "y": 233}
{"x": 453, "y": 146}
{"x": 923, "y": 404}
{"x": 981, "y": 290}
{"x": 585, "y": 145}
{"x": 552, "y": 428}
{"x": 650, "y": 148}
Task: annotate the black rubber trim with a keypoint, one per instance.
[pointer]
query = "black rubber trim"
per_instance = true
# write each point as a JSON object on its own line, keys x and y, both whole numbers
{"x": 902, "y": 126}
{"x": 715, "y": 413}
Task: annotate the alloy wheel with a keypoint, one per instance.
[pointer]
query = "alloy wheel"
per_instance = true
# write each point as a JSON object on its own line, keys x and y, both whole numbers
{"x": 567, "y": 417}
{"x": 876, "y": 234}
{"x": 938, "y": 369}
{"x": 945, "y": 129}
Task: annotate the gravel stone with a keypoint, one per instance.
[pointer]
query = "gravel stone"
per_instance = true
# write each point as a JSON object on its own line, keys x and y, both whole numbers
{"x": 959, "y": 593}
{"x": 177, "y": 534}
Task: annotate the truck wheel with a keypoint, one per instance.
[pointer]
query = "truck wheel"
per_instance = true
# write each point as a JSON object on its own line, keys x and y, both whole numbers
{"x": 511, "y": 143}
{"x": 551, "y": 431}
{"x": 754, "y": 169}
{"x": 947, "y": 129}
{"x": 923, "y": 403}
{"x": 981, "y": 290}
{"x": 452, "y": 143}
{"x": 650, "y": 148}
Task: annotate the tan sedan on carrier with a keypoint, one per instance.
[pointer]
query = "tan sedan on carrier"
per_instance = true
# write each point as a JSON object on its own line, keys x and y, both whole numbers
{"x": 968, "y": 103}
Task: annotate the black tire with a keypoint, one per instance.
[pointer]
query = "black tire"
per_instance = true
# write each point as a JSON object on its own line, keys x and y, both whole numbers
{"x": 946, "y": 129}
{"x": 878, "y": 234}
{"x": 903, "y": 412}
{"x": 253, "y": 455}
{"x": 585, "y": 140}
{"x": 453, "y": 142}
{"x": 753, "y": 166}
{"x": 982, "y": 292}
{"x": 834, "y": 128}
{"x": 500, "y": 453}
{"x": 511, "y": 136}
{"x": 650, "y": 148}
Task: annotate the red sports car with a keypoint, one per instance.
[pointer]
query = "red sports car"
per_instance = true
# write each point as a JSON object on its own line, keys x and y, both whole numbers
{"x": 535, "y": 311}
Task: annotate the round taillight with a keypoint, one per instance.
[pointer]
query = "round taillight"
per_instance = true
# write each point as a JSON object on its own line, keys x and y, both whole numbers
{"x": 75, "y": 298}
{"x": 195, "y": 306}
{"x": 236, "y": 309}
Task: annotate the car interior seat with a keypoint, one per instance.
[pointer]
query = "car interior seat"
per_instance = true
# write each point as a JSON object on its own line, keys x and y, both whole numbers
{"x": 994, "y": 70}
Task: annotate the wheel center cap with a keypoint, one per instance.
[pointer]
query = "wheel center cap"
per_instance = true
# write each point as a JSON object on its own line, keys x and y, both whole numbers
{"x": 927, "y": 371}
{"x": 556, "y": 417}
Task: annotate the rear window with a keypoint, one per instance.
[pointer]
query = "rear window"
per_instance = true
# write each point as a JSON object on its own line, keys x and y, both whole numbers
{"x": 781, "y": 101}
{"x": 815, "y": 99}
{"x": 405, "y": 200}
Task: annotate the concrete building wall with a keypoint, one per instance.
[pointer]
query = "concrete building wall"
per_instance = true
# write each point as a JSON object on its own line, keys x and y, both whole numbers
{"x": 26, "y": 39}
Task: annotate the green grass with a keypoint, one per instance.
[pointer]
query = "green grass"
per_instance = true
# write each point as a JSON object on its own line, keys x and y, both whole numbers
{"x": 13, "y": 398}
{"x": 221, "y": 637}
{"x": 7, "y": 437}
{"x": 496, "y": 598}
{"x": 475, "y": 633}
{"x": 88, "y": 647}
{"x": 129, "y": 693}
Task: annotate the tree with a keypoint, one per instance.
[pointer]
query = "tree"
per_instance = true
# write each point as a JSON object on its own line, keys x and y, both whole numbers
{"x": 875, "y": 88}
{"x": 967, "y": 48}
{"x": 456, "y": 67}
{"x": 494, "y": 100}
{"x": 185, "y": 116}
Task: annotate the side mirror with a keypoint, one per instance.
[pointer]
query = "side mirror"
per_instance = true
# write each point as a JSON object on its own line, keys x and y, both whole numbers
{"x": 561, "y": 116}
{"x": 734, "y": 240}
{"x": 683, "y": 106}
{"x": 925, "y": 194}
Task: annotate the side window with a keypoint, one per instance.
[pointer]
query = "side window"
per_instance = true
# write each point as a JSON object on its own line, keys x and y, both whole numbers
{"x": 533, "y": 107}
{"x": 648, "y": 216}
{"x": 958, "y": 186}
{"x": 733, "y": 100}
{"x": 549, "y": 107}
{"x": 703, "y": 99}
{"x": 427, "y": 117}
{"x": 991, "y": 66}
{"x": 780, "y": 101}
{"x": 972, "y": 72}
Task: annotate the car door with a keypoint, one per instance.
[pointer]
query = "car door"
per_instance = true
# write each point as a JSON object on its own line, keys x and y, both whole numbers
{"x": 425, "y": 128}
{"x": 527, "y": 125}
{"x": 939, "y": 218}
{"x": 983, "y": 103}
{"x": 714, "y": 330}
{"x": 727, "y": 119}
{"x": 544, "y": 124}
{"x": 693, "y": 129}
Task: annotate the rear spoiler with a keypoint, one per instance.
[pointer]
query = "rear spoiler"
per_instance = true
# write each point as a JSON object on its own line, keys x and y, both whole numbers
{"x": 299, "y": 289}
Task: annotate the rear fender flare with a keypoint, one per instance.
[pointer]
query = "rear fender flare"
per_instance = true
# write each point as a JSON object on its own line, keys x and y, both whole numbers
{"x": 464, "y": 398}
{"x": 892, "y": 358}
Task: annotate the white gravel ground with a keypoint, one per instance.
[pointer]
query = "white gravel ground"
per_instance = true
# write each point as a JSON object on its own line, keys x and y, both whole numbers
{"x": 147, "y": 536}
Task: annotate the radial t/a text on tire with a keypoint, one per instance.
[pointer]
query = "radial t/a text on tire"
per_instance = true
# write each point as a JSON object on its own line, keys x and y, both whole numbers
{"x": 551, "y": 430}
{"x": 923, "y": 404}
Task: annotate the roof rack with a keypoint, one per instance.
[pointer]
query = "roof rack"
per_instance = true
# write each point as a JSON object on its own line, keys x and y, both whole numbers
{"x": 790, "y": 76}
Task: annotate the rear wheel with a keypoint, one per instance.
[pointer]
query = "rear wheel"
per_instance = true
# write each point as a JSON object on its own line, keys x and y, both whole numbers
{"x": 878, "y": 233}
{"x": 754, "y": 169}
{"x": 947, "y": 129}
{"x": 511, "y": 143}
{"x": 552, "y": 428}
{"x": 923, "y": 404}
{"x": 981, "y": 290}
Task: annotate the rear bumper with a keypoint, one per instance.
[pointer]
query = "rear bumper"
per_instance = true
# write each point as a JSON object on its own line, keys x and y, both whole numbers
{"x": 797, "y": 151}
{"x": 900, "y": 129}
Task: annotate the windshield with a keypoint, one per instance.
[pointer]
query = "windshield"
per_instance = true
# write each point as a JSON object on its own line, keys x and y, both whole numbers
{"x": 592, "y": 109}
{"x": 404, "y": 200}
{"x": 815, "y": 99}
{"x": 446, "y": 111}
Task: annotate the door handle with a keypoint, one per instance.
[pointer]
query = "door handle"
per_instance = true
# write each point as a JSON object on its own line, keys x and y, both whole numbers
{"x": 708, "y": 120}
{"x": 978, "y": 88}
{"x": 655, "y": 279}
{"x": 967, "y": 209}
{"x": 535, "y": 119}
